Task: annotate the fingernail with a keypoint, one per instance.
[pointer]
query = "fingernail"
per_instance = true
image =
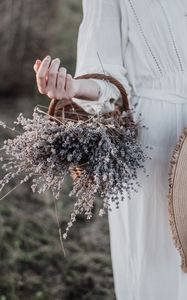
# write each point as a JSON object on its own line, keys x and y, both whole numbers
{"x": 48, "y": 57}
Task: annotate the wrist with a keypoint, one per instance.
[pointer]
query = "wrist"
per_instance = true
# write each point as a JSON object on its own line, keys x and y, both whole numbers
{"x": 87, "y": 89}
{"x": 77, "y": 87}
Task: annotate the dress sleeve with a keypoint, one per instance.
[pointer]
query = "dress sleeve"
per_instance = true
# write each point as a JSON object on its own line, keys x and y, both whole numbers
{"x": 101, "y": 46}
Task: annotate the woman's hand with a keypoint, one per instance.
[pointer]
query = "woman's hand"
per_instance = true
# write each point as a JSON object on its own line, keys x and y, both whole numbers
{"x": 53, "y": 80}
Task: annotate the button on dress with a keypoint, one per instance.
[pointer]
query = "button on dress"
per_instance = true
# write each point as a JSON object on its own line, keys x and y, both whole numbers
{"x": 144, "y": 45}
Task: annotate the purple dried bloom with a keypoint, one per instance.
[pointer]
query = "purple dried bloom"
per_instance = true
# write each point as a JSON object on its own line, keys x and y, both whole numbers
{"x": 106, "y": 151}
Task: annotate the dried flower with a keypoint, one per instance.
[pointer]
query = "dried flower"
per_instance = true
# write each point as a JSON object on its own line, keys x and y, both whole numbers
{"x": 105, "y": 150}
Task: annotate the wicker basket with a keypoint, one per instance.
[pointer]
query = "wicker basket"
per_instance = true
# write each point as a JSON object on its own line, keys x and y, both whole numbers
{"x": 62, "y": 110}
{"x": 73, "y": 111}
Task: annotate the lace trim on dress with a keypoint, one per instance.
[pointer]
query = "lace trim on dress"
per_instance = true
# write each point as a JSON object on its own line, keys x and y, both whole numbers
{"x": 145, "y": 39}
{"x": 172, "y": 37}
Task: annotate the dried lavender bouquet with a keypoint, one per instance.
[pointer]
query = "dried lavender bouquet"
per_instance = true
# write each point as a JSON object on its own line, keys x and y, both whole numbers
{"x": 106, "y": 151}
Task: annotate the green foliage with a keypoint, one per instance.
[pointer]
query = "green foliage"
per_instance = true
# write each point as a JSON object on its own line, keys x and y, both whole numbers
{"x": 32, "y": 263}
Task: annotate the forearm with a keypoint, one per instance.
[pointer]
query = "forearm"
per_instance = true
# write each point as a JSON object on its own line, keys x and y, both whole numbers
{"x": 87, "y": 89}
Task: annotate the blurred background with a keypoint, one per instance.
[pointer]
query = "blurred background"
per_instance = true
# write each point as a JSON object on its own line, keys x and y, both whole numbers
{"x": 32, "y": 265}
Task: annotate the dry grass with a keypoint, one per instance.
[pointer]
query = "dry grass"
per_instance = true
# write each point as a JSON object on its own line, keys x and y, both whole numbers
{"x": 31, "y": 260}
{"x": 32, "y": 263}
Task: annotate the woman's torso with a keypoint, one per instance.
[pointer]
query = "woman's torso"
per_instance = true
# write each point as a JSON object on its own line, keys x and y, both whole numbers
{"x": 156, "y": 53}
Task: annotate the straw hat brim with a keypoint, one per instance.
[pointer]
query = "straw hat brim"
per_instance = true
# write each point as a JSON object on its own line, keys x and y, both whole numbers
{"x": 177, "y": 197}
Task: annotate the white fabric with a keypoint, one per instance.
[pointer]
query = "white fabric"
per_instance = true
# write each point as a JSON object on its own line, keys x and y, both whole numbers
{"x": 144, "y": 44}
{"x": 109, "y": 95}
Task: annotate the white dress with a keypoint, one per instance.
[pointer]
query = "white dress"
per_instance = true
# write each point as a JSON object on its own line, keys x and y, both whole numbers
{"x": 143, "y": 43}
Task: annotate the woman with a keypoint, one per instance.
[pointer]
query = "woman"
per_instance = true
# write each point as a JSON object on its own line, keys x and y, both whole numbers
{"x": 143, "y": 44}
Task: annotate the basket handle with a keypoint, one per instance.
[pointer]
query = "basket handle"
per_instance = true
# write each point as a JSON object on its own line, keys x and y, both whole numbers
{"x": 53, "y": 103}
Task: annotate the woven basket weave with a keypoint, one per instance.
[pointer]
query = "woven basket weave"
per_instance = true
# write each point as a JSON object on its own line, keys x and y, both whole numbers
{"x": 177, "y": 197}
{"x": 72, "y": 110}
{"x": 62, "y": 110}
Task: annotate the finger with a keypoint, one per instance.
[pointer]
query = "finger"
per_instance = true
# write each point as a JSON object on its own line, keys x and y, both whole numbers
{"x": 52, "y": 75}
{"x": 37, "y": 65}
{"x": 61, "y": 82}
{"x": 41, "y": 74}
{"x": 69, "y": 86}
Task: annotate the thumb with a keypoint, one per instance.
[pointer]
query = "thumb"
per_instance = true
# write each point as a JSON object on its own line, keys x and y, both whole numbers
{"x": 37, "y": 65}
